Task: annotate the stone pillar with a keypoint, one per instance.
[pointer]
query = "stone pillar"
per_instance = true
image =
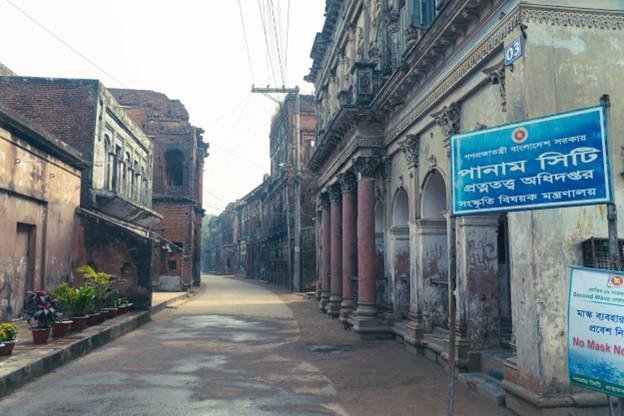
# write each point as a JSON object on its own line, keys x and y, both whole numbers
{"x": 335, "y": 291}
{"x": 478, "y": 289}
{"x": 366, "y": 322}
{"x": 349, "y": 238}
{"x": 415, "y": 328}
{"x": 325, "y": 251}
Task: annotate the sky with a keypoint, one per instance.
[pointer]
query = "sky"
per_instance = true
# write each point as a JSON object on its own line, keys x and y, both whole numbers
{"x": 191, "y": 50}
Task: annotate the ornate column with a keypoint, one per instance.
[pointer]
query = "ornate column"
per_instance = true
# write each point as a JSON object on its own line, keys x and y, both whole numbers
{"x": 415, "y": 325}
{"x": 335, "y": 287}
{"x": 325, "y": 251}
{"x": 349, "y": 238}
{"x": 366, "y": 322}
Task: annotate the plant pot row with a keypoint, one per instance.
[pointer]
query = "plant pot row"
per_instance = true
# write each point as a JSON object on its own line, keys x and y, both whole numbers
{"x": 60, "y": 329}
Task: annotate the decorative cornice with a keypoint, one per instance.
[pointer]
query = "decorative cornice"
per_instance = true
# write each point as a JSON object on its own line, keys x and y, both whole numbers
{"x": 489, "y": 45}
{"x": 496, "y": 75}
{"x": 410, "y": 148}
{"x": 367, "y": 166}
{"x": 608, "y": 20}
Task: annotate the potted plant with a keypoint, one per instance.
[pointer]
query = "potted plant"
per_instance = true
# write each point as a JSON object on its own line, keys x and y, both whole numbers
{"x": 102, "y": 284}
{"x": 81, "y": 303}
{"x": 40, "y": 313}
{"x": 62, "y": 295}
{"x": 8, "y": 335}
{"x": 123, "y": 305}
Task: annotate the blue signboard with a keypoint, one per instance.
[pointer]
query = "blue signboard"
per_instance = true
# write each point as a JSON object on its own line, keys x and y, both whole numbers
{"x": 513, "y": 51}
{"x": 554, "y": 161}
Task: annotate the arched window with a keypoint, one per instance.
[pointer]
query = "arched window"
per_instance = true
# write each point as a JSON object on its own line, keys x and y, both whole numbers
{"x": 174, "y": 172}
{"x": 125, "y": 170}
{"x": 117, "y": 161}
{"x": 109, "y": 162}
{"x": 136, "y": 185}
{"x": 400, "y": 209}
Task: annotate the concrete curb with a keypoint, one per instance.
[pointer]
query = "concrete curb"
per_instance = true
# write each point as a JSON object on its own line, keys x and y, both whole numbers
{"x": 14, "y": 375}
{"x": 161, "y": 306}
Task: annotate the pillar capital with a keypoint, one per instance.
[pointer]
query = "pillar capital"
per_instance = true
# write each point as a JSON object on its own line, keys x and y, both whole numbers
{"x": 367, "y": 166}
{"x": 348, "y": 182}
{"x": 410, "y": 147}
{"x": 324, "y": 199}
{"x": 448, "y": 121}
{"x": 335, "y": 192}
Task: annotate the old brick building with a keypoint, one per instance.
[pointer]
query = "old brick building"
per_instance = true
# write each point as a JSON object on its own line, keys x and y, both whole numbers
{"x": 264, "y": 239}
{"x": 115, "y": 213}
{"x": 179, "y": 153}
{"x": 39, "y": 193}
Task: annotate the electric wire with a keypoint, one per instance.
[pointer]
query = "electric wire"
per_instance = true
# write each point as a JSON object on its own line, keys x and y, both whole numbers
{"x": 276, "y": 36}
{"x": 50, "y": 32}
{"x": 240, "y": 11}
{"x": 266, "y": 42}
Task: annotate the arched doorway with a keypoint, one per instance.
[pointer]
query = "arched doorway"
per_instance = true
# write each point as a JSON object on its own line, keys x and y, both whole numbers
{"x": 400, "y": 253}
{"x": 433, "y": 252}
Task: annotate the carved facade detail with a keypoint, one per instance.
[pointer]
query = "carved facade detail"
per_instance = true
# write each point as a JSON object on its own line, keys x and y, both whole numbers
{"x": 608, "y": 21}
{"x": 410, "y": 148}
{"x": 348, "y": 181}
{"x": 387, "y": 170}
{"x": 496, "y": 75}
{"x": 448, "y": 121}
{"x": 324, "y": 199}
{"x": 367, "y": 166}
{"x": 335, "y": 192}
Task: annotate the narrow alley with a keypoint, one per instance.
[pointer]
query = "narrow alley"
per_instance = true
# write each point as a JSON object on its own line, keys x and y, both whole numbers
{"x": 241, "y": 348}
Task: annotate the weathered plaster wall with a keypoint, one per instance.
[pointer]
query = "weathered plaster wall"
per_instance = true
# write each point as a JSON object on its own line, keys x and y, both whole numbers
{"x": 563, "y": 68}
{"x": 41, "y": 191}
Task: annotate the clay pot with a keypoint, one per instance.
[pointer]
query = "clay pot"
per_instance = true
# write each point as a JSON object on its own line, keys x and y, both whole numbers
{"x": 6, "y": 347}
{"x": 93, "y": 319}
{"x": 110, "y": 313}
{"x": 60, "y": 329}
{"x": 40, "y": 336}
{"x": 78, "y": 323}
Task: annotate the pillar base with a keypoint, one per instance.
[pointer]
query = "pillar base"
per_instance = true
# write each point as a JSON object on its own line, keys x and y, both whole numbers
{"x": 333, "y": 307}
{"x": 414, "y": 332}
{"x": 369, "y": 327}
{"x": 346, "y": 308}
{"x": 324, "y": 301}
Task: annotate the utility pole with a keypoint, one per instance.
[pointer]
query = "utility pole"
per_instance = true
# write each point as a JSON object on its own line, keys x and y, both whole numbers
{"x": 296, "y": 278}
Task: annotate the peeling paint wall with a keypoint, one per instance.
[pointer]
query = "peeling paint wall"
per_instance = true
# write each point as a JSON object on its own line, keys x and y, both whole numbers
{"x": 564, "y": 68}
{"x": 40, "y": 191}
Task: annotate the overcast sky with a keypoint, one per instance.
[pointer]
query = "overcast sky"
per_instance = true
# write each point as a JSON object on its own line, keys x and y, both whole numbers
{"x": 192, "y": 50}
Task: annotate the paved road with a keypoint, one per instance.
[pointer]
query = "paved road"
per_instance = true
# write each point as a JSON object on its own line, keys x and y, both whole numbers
{"x": 240, "y": 349}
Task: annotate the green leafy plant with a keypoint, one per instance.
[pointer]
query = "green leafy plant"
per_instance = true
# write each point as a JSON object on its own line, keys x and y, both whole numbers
{"x": 82, "y": 300}
{"x": 62, "y": 294}
{"x": 121, "y": 301}
{"x": 40, "y": 310}
{"x": 102, "y": 284}
{"x": 8, "y": 331}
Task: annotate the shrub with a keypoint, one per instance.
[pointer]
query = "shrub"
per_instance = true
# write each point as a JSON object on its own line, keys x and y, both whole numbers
{"x": 8, "y": 331}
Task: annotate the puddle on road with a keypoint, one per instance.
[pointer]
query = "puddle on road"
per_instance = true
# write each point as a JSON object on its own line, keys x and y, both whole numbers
{"x": 328, "y": 349}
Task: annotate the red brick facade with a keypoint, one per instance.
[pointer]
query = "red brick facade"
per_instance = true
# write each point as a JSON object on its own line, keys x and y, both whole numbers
{"x": 179, "y": 152}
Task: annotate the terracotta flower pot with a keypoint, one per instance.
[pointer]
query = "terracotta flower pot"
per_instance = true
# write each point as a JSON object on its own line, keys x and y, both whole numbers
{"x": 92, "y": 319}
{"x": 78, "y": 323}
{"x": 60, "y": 329}
{"x": 6, "y": 347}
{"x": 40, "y": 336}
{"x": 110, "y": 313}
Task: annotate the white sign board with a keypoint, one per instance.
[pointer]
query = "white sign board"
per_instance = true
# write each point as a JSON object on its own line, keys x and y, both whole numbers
{"x": 596, "y": 330}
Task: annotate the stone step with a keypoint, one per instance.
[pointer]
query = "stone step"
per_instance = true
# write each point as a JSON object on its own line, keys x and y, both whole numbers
{"x": 493, "y": 362}
{"x": 487, "y": 386}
